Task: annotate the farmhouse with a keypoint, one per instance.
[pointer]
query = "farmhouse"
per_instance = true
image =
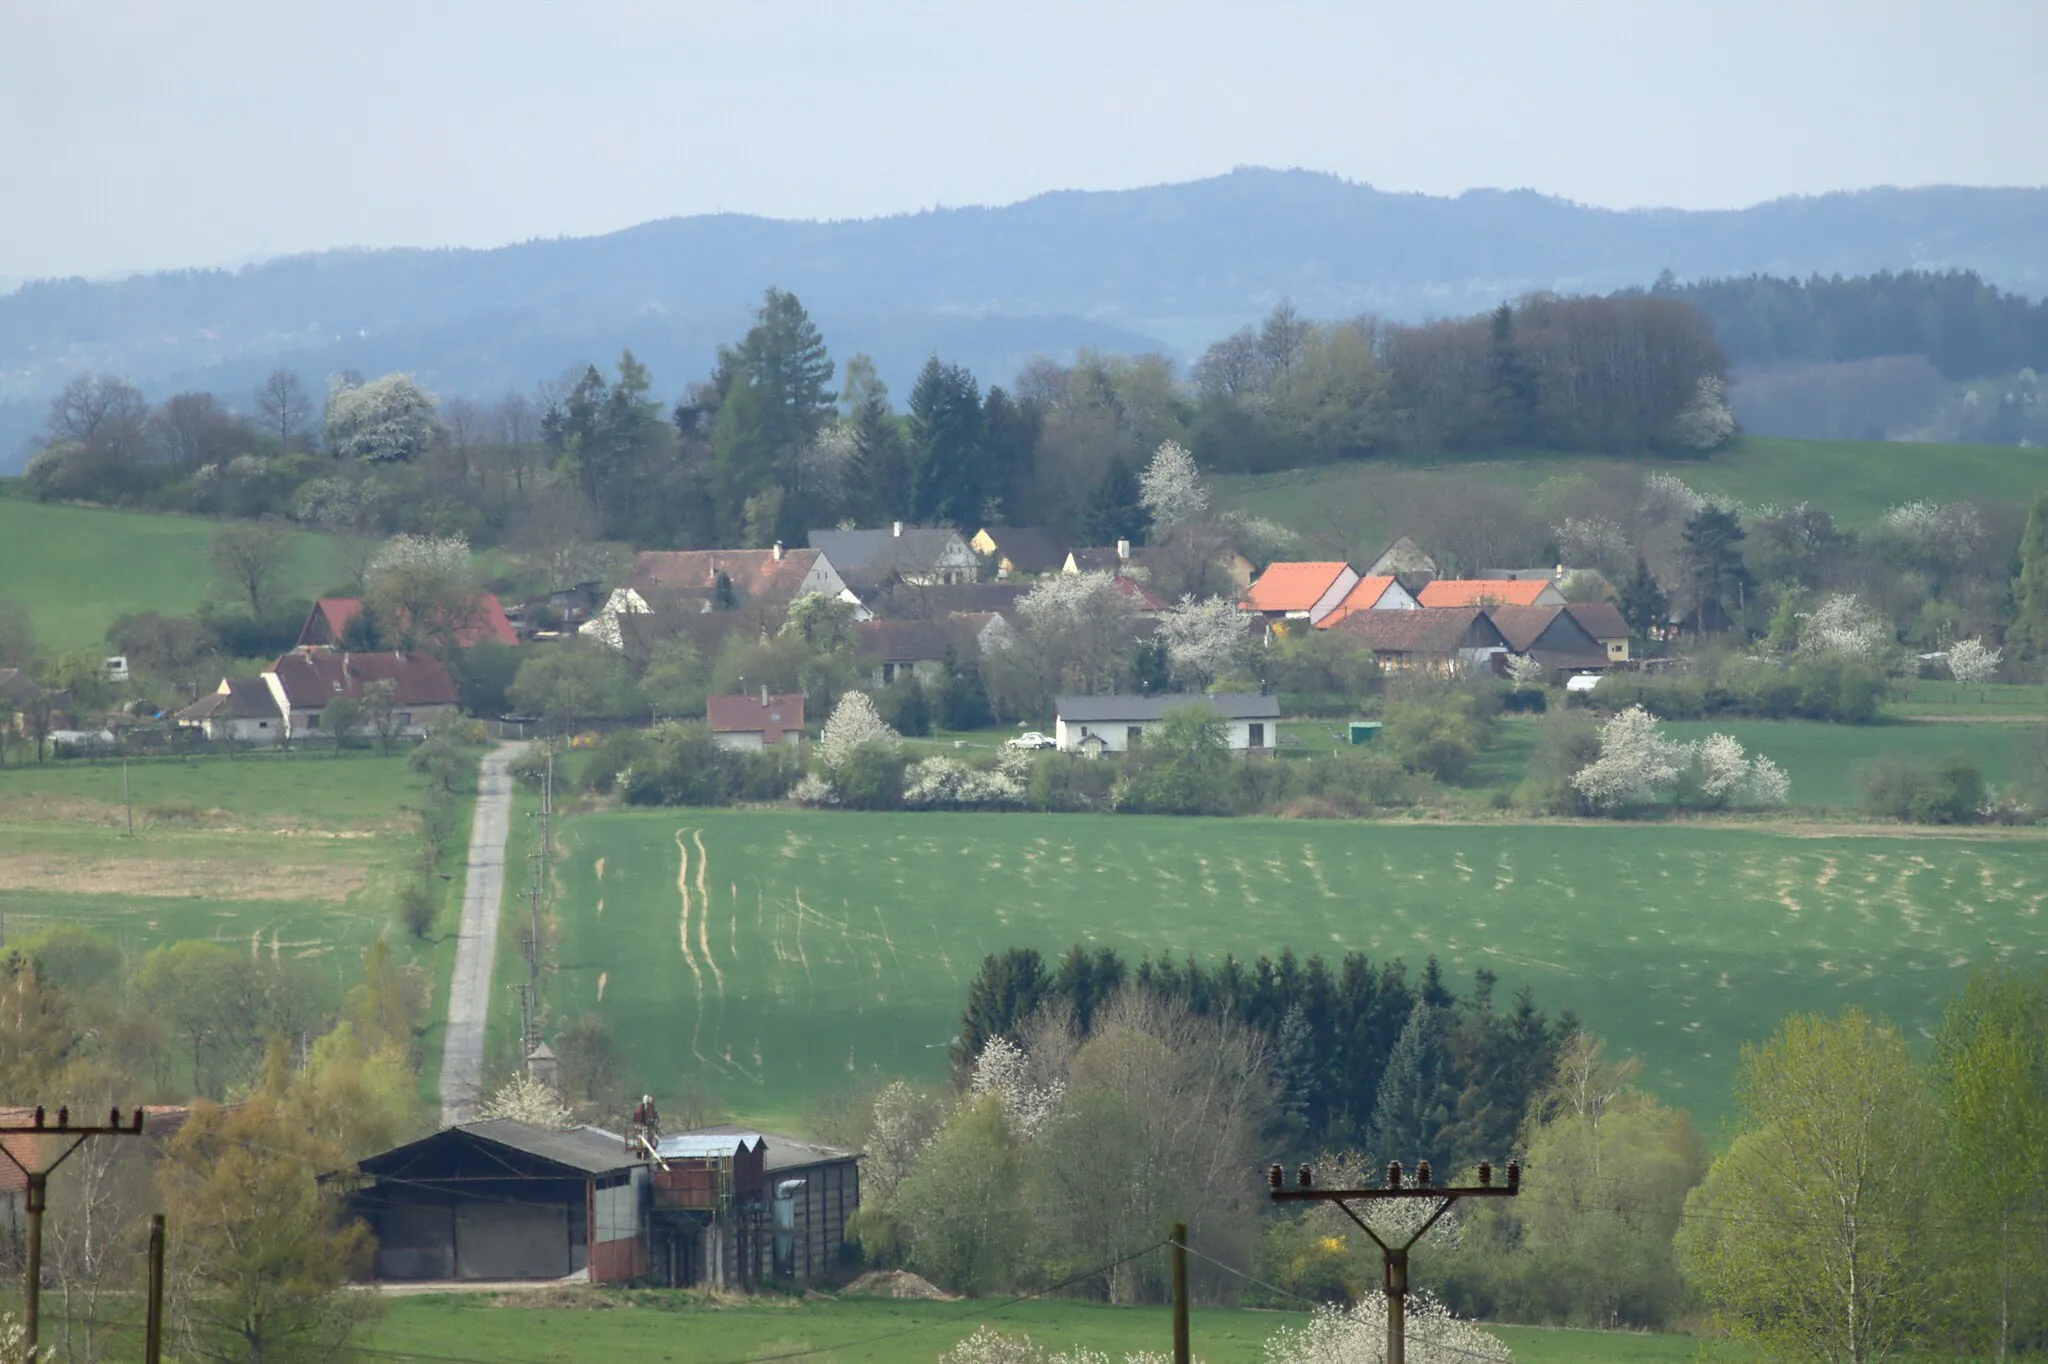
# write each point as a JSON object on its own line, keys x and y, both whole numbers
{"x": 1098, "y": 558}
{"x": 759, "y": 584}
{"x": 1552, "y": 636}
{"x": 241, "y": 709}
{"x": 1491, "y": 592}
{"x": 1019, "y": 550}
{"x": 483, "y": 620}
{"x": 915, "y": 554}
{"x": 1603, "y": 621}
{"x": 502, "y": 1199}
{"x": 1445, "y": 641}
{"x": 305, "y": 682}
{"x": 904, "y": 648}
{"x": 1381, "y": 593}
{"x": 744, "y": 722}
{"x": 1112, "y": 724}
{"x": 1299, "y": 591}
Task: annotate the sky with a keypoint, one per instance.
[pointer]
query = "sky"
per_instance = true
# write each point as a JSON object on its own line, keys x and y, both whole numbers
{"x": 145, "y": 134}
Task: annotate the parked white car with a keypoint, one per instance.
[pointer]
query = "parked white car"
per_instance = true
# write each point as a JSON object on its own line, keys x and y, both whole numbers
{"x": 1030, "y": 739}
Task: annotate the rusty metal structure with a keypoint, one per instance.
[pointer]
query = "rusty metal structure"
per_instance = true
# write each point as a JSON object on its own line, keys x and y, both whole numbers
{"x": 1394, "y": 1258}
{"x": 37, "y": 1148}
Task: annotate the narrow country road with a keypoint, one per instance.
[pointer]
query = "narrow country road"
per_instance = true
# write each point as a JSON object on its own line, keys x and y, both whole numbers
{"x": 476, "y": 942}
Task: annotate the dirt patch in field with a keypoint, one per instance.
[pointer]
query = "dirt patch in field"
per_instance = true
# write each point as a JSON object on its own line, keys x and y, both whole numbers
{"x": 180, "y": 878}
{"x": 899, "y": 1283}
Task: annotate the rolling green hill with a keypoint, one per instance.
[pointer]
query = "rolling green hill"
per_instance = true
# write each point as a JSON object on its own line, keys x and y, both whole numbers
{"x": 76, "y": 568}
{"x": 1858, "y": 481}
{"x": 768, "y": 955}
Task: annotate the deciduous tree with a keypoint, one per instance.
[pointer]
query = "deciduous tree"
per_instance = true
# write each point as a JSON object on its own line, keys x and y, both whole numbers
{"x": 249, "y": 556}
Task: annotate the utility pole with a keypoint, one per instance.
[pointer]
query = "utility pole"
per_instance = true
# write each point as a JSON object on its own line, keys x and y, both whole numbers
{"x": 62, "y": 1139}
{"x": 153, "y": 1327}
{"x": 1394, "y": 1258}
{"x": 127, "y": 801}
{"x": 1180, "y": 1293}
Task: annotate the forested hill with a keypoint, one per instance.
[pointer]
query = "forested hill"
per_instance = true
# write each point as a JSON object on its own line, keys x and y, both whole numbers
{"x": 1169, "y": 267}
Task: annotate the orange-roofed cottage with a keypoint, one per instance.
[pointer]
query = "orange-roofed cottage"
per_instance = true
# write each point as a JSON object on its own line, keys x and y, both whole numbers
{"x": 1491, "y": 592}
{"x": 484, "y": 621}
{"x": 1379, "y": 593}
{"x": 1299, "y": 591}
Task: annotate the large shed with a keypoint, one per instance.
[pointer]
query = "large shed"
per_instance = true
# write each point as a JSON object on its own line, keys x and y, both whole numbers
{"x": 790, "y": 1201}
{"x": 502, "y": 1199}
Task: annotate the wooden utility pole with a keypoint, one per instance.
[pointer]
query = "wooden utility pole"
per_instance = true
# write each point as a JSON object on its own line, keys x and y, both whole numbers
{"x": 1394, "y": 1258}
{"x": 35, "y": 1161}
{"x": 153, "y": 1327}
{"x": 127, "y": 801}
{"x": 1180, "y": 1293}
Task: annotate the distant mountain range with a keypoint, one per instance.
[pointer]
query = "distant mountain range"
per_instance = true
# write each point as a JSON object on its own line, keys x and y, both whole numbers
{"x": 1167, "y": 268}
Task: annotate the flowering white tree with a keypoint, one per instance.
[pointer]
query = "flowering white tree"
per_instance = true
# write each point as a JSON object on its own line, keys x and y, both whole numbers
{"x": 1358, "y": 1335}
{"x": 386, "y": 419}
{"x": 1767, "y": 783}
{"x": 1204, "y": 640}
{"x": 1946, "y": 532}
{"x": 1972, "y": 662}
{"x": 990, "y": 1346}
{"x": 1637, "y": 764}
{"x": 1594, "y": 540}
{"x": 1171, "y": 487}
{"x": 442, "y": 554}
{"x": 1524, "y": 671}
{"x": 1080, "y": 626}
{"x": 1844, "y": 624}
{"x": 527, "y": 1100}
{"x": 1706, "y": 422}
{"x": 946, "y": 783}
{"x": 1668, "y": 500}
{"x": 854, "y": 722}
{"x": 1003, "y": 1069}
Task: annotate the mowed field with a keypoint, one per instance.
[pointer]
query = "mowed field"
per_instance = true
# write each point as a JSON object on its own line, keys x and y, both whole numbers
{"x": 1823, "y": 760}
{"x": 768, "y": 955}
{"x": 1857, "y": 481}
{"x": 76, "y": 568}
{"x": 682, "y": 1328}
{"x": 297, "y": 860}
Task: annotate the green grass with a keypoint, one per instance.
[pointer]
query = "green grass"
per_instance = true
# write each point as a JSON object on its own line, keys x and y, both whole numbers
{"x": 1822, "y": 760}
{"x": 297, "y": 858}
{"x": 76, "y": 568}
{"x": 1996, "y": 701}
{"x": 1858, "y": 481}
{"x": 843, "y": 943}
{"x": 679, "y": 1328}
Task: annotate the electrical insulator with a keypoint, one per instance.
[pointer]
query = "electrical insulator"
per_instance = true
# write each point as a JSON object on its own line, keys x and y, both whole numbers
{"x": 1393, "y": 1174}
{"x": 1485, "y": 1174}
{"x": 1273, "y": 1175}
{"x": 1422, "y": 1174}
{"x": 64, "y": 1116}
{"x": 1514, "y": 1174}
{"x": 1304, "y": 1177}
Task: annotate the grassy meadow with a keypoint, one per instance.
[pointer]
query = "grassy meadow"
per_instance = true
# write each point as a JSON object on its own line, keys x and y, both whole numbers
{"x": 76, "y": 568}
{"x": 1858, "y": 481}
{"x": 683, "y": 1328}
{"x": 299, "y": 857}
{"x": 768, "y": 955}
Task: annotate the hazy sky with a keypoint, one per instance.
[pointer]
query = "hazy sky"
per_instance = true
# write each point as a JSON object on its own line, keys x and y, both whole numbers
{"x": 144, "y": 134}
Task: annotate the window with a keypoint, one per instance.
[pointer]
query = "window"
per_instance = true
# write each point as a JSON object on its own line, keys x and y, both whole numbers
{"x": 404, "y": 719}
{"x": 1258, "y": 735}
{"x": 888, "y": 673}
{"x": 1084, "y": 731}
{"x": 263, "y": 724}
{"x": 1133, "y": 733}
{"x": 313, "y": 720}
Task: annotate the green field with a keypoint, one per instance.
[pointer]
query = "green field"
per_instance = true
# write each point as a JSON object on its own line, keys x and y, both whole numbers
{"x": 681, "y": 1328}
{"x": 299, "y": 858}
{"x": 1950, "y": 700}
{"x": 1858, "y": 481}
{"x": 76, "y": 568}
{"x": 794, "y": 950}
{"x": 1823, "y": 759}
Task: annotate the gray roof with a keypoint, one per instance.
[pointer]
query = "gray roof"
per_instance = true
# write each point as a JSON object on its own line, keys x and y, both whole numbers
{"x": 784, "y": 1153}
{"x": 705, "y": 1145}
{"x": 1109, "y": 709}
{"x": 875, "y": 552}
{"x": 590, "y": 1149}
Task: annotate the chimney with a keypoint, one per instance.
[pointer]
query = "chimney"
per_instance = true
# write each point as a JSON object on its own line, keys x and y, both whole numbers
{"x": 1123, "y": 551}
{"x": 764, "y": 693}
{"x": 1558, "y": 576}
{"x": 778, "y": 551}
{"x": 896, "y": 530}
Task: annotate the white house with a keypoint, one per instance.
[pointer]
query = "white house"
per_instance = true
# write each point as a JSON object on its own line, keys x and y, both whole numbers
{"x": 1114, "y": 723}
{"x": 762, "y": 581}
{"x": 241, "y": 709}
{"x": 922, "y": 555}
{"x": 305, "y": 682}
{"x": 1381, "y": 593}
{"x": 747, "y": 722}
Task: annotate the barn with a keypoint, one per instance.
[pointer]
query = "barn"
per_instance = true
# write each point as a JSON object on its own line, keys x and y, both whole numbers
{"x": 733, "y": 1207}
{"x": 502, "y": 1199}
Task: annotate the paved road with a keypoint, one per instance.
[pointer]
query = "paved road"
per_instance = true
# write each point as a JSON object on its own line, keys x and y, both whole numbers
{"x": 476, "y": 943}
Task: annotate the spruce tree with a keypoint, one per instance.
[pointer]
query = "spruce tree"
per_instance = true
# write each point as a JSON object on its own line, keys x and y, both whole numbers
{"x": 2028, "y": 636}
{"x": 1114, "y": 512}
{"x": 1643, "y": 604}
{"x": 1411, "y": 1108}
{"x": 946, "y": 453}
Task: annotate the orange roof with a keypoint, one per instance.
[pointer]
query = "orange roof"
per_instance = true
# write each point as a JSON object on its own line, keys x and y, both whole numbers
{"x": 1481, "y": 591}
{"x": 1363, "y": 597}
{"x": 1291, "y": 587}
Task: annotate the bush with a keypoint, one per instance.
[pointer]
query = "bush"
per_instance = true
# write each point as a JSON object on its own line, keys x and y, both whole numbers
{"x": 1566, "y": 742}
{"x": 1438, "y": 737}
{"x": 416, "y": 908}
{"x": 1949, "y": 792}
{"x": 1067, "y": 782}
{"x": 1830, "y": 687}
{"x": 871, "y": 777}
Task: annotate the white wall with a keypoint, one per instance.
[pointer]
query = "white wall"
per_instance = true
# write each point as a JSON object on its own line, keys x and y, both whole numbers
{"x": 1116, "y": 735}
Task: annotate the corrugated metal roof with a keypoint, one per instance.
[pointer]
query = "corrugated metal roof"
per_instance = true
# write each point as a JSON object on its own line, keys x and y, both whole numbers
{"x": 590, "y": 1149}
{"x": 1109, "y": 709}
{"x": 705, "y": 1145}
{"x": 783, "y": 1153}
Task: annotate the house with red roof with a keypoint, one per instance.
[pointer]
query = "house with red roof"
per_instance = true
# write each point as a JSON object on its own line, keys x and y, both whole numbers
{"x": 1490, "y": 592}
{"x": 305, "y": 682}
{"x": 1299, "y": 591}
{"x": 1378, "y": 593}
{"x": 483, "y": 619}
{"x": 749, "y": 722}
{"x": 755, "y": 585}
